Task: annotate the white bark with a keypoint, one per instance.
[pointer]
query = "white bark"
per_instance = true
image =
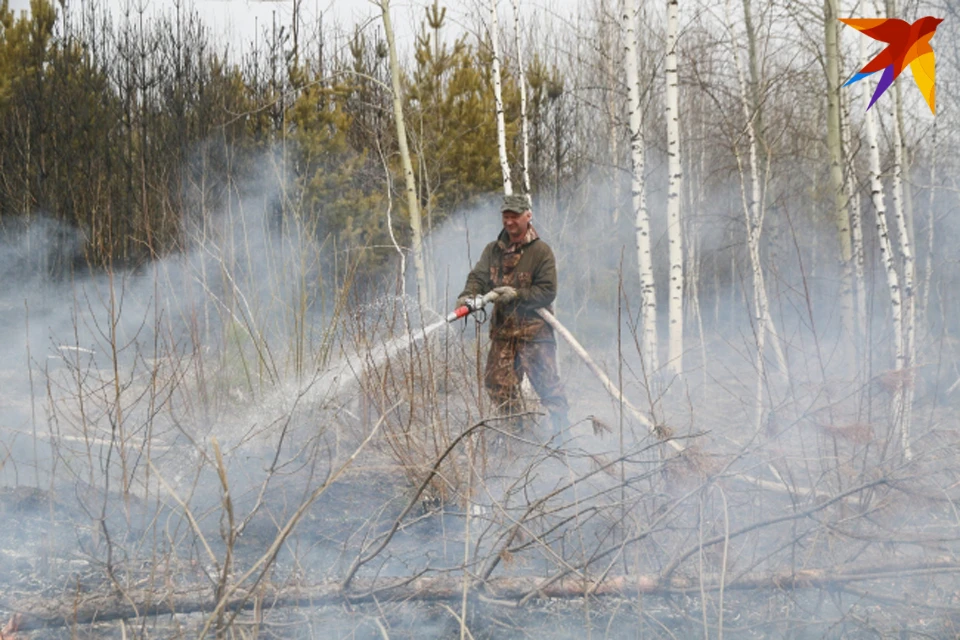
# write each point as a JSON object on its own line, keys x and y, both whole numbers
{"x": 905, "y": 364}
{"x": 498, "y": 97}
{"x": 526, "y": 389}
{"x": 693, "y": 274}
{"x": 880, "y": 207}
{"x": 886, "y": 248}
{"x": 924, "y": 295}
{"x": 754, "y": 223}
{"x": 413, "y": 204}
{"x": 757, "y": 206}
{"x": 903, "y": 400}
{"x": 856, "y": 228}
{"x": 675, "y": 169}
{"x": 612, "y": 104}
{"x": 393, "y": 237}
{"x": 834, "y": 147}
{"x": 696, "y": 203}
{"x": 524, "y": 124}
{"x": 638, "y": 193}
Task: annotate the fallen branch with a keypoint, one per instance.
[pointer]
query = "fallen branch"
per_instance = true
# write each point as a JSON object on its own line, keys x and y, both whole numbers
{"x": 266, "y": 560}
{"x": 34, "y": 612}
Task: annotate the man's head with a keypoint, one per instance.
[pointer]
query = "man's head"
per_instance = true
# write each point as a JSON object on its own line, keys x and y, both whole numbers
{"x": 516, "y": 216}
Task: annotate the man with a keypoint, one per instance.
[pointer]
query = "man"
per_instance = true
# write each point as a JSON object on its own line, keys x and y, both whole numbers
{"x": 521, "y": 268}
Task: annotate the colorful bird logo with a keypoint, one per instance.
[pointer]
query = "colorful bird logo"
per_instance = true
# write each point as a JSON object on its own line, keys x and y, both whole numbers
{"x": 907, "y": 44}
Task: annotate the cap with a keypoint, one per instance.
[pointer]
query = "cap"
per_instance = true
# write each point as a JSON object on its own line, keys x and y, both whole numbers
{"x": 517, "y": 203}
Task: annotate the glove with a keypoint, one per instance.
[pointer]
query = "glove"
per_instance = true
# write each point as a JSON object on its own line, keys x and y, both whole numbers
{"x": 506, "y": 295}
{"x": 461, "y": 301}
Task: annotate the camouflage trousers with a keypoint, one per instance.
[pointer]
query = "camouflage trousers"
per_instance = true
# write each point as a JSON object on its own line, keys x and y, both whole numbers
{"x": 509, "y": 360}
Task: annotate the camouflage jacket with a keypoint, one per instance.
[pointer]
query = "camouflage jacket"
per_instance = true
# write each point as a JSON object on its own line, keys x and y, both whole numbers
{"x": 531, "y": 269}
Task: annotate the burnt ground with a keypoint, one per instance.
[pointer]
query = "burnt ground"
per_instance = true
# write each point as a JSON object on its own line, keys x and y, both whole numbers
{"x": 55, "y": 565}
{"x": 814, "y": 526}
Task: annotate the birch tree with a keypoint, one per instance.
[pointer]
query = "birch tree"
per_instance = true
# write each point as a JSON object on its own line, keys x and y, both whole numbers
{"x": 674, "y": 228}
{"x": 413, "y": 205}
{"x": 611, "y": 99}
{"x": 924, "y": 293}
{"x": 885, "y": 245}
{"x": 524, "y": 124}
{"x": 637, "y": 189}
{"x": 835, "y": 148}
{"x": 754, "y": 213}
{"x": 886, "y": 257}
{"x": 755, "y": 203}
{"x": 856, "y": 229}
{"x": 498, "y": 97}
{"x": 905, "y": 363}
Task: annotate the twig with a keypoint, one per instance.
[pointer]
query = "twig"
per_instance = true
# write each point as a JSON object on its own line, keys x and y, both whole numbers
{"x": 363, "y": 559}
{"x": 267, "y": 558}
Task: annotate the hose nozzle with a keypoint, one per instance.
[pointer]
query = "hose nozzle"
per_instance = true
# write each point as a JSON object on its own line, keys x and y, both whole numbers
{"x": 472, "y": 305}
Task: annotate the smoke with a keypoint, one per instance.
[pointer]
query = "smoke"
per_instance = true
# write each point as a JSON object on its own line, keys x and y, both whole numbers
{"x": 119, "y": 388}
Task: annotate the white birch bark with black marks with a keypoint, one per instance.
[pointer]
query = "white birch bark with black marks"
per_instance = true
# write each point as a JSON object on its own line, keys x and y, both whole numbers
{"x": 675, "y": 170}
{"x": 413, "y": 204}
{"x": 524, "y": 123}
{"x": 750, "y": 98}
{"x": 526, "y": 389}
{"x": 906, "y": 353}
{"x": 905, "y": 364}
{"x": 498, "y": 99}
{"x": 638, "y": 193}
{"x": 886, "y": 246}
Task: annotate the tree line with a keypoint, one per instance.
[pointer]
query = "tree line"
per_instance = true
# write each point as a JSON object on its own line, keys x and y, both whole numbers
{"x": 723, "y": 128}
{"x": 133, "y": 132}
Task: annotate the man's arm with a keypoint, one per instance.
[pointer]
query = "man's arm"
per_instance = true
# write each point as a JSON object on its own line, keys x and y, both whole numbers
{"x": 478, "y": 281}
{"x": 543, "y": 286}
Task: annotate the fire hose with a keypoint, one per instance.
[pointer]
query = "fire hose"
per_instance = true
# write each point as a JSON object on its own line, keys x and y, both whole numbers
{"x": 477, "y": 304}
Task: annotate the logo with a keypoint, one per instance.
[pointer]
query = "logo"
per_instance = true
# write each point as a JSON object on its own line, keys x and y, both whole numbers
{"x": 906, "y": 44}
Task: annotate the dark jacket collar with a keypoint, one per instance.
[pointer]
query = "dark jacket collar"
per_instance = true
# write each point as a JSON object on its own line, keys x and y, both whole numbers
{"x": 504, "y": 240}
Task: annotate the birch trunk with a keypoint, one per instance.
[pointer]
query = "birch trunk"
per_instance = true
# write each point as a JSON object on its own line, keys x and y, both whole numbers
{"x": 886, "y": 248}
{"x": 526, "y": 388}
{"x": 696, "y": 204}
{"x": 413, "y": 204}
{"x": 754, "y": 223}
{"x": 753, "y": 70}
{"x": 524, "y": 124}
{"x": 924, "y": 303}
{"x": 856, "y": 229}
{"x": 638, "y": 193}
{"x": 612, "y": 104}
{"x": 905, "y": 353}
{"x": 750, "y": 97}
{"x": 905, "y": 364}
{"x": 675, "y": 169}
{"x": 498, "y": 97}
{"x": 835, "y": 149}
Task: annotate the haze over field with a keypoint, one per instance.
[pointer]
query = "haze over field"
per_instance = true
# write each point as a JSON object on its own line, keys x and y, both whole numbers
{"x": 227, "y": 396}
